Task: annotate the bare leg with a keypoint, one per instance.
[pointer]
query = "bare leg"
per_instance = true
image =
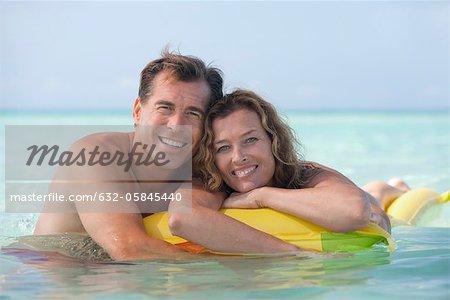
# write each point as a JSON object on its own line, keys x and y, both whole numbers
{"x": 384, "y": 192}
{"x": 399, "y": 183}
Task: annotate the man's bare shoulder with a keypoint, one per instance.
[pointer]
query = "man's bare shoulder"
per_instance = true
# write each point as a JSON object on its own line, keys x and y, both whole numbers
{"x": 98, "y": 157}
{"x": 106, "y": 140}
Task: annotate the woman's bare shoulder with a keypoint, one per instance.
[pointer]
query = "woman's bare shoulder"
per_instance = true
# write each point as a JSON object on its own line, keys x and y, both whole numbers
{"x": 320, "y": 174}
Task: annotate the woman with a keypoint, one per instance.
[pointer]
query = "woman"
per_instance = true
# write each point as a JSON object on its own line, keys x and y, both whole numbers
{"x": 249, "y": 153}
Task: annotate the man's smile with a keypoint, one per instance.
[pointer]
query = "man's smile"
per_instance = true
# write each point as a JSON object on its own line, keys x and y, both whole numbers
{"x": 171, "y": 142}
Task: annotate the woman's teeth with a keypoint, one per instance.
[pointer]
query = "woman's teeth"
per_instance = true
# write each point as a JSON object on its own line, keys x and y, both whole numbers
{"x": 242, "y": 173}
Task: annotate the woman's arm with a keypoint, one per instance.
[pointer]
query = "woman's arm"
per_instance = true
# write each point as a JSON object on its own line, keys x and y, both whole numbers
{"x": 330, "y": 200}
{"x": 200, "y": 221}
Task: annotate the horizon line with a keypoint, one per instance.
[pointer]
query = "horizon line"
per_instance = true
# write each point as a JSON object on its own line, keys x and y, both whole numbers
{"x": 124, "y": 111}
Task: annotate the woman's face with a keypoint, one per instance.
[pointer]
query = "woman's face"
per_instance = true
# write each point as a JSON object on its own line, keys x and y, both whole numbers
{"x": 243, "y": 152}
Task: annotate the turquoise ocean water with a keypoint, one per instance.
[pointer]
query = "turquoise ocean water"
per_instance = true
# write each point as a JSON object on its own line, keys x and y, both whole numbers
{"x": 364, "y": 146}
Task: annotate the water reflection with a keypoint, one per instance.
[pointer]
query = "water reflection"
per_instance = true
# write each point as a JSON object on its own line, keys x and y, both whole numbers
{"x": 190, "y": 276}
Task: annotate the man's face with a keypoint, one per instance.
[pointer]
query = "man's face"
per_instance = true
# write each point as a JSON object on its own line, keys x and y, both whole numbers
{"x": 175, "y": 112}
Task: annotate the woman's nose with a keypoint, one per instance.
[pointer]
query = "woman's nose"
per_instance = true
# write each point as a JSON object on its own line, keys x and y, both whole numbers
{"x": 239, "y": 156}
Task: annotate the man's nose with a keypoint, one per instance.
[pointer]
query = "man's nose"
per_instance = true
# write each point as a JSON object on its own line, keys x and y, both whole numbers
{"x": 176, "y": 119}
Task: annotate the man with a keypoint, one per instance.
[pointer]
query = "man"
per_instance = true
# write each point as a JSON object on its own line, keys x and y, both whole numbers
{"x": 175, "y": 92}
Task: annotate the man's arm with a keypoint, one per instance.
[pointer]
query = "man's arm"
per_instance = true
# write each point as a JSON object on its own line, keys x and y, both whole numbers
{"x": 201, "y": 223}
{"x": 117, "y": 226}
{"x": 122, "y": 235}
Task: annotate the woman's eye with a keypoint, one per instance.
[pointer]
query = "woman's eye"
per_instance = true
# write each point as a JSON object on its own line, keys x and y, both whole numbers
{"x": 223, "y": 148}
{"x": 251, "y": 140}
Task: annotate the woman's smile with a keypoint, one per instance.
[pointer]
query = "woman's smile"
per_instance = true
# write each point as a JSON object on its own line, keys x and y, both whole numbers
{"x": 243, "y": 151}
{"x": 245, "y": 171}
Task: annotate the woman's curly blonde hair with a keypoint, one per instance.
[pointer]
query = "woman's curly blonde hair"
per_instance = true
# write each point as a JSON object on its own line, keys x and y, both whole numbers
{"x": 290, "y": 170}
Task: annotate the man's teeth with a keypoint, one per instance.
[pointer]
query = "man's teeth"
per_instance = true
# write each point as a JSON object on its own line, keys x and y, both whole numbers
{"x": 172, "y": 142}
{"x": 244, "y": 172}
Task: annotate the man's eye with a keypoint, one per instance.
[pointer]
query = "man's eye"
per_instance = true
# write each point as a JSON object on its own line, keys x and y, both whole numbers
{"x": 194, "y": 114}
{"x": 223, "y": 148}
{"x": 251, "y": 140}
{"x": 163, "y": 107}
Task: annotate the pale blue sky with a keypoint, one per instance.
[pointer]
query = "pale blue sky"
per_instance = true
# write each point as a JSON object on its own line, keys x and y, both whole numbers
{"x": 305, "y": 55}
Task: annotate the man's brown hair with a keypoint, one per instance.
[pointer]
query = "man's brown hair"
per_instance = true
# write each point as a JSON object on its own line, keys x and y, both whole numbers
{"x": 182, "y": 68}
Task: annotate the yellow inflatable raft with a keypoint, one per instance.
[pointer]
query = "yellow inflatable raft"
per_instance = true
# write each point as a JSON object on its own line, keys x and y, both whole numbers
{"x": 304, "y": 234}
{"x": 283, "y": 226}
{"x": 417, "y": 206}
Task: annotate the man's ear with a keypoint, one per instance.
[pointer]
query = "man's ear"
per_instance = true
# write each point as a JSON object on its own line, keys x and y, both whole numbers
{"x": 137, "y": 110}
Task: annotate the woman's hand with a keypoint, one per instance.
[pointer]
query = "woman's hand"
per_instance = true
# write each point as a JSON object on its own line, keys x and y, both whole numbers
{"x": 249, "y": 199}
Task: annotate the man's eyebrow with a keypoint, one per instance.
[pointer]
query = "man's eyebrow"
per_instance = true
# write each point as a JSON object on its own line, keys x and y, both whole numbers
{"x": 171, "y": 104}
{"x": 244, "y": 134}
{"x": 165, "y": 102}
